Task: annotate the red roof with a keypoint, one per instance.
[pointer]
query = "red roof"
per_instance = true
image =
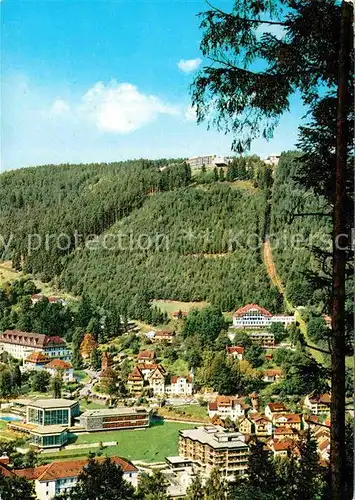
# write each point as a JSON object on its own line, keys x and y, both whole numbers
{"x": 273, "y": 372}
{"x": 175, "y": 378}
{"x": 59, "y": 364}
{"x": 146, "y": 355}
{"x": 321, "y": 398}
{"x": 37, "y": 357}
{"x": 235, "y": 348}
{"x": 135, "y": 374}
{"x": 176, "y": 314}
{"x": 277, "y": 407}
{"x": 283, "y": 445}
{"x": 31, "y": 339}
{"x": 294, "y": 418}
{"x": 243, "y": 310}
{"x": 69, "y": 468}
{"x": 213, "y": 406}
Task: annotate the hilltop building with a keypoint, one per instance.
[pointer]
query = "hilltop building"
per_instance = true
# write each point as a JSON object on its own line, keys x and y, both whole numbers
{"x": 21, "y": 344}
{"x": 254, "y": 316}
{"x": 272, "y": 159}
{"x": 209, "y": 161}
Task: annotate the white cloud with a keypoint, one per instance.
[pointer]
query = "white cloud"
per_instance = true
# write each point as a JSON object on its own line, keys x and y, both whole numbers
{"x": 189, "y": 65}
{"x": 121, "y": 107}
{"x": 190, "y": 114}
{"x": 59, "y": 107}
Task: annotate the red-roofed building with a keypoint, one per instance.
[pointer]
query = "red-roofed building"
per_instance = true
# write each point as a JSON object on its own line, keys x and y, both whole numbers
{"x": 163, "y": 336}
{"x": 60, "y": 476}
{"x": 227, "y": 406}
{"x": 281, "y": 433}
{"x": 282, "y": 448}
{"x": 146, "y": 356}
{"x": 21, "y": 344}
{"x": 262, "y": 425}
{"x": 180, "y": 386}
{"x": 254, "y": 316}
{"x": 272, "y": 375}
{"x": 235, "y": 351}
{"x": 318, "y": 405}
{"x": 292, "y": 420}
{"x": 179, "y": 314}
{"x": 62, "y": 368}
{"x": 35, "y": 361}
{"x": 36, "y": 297}
{"x": 274, "y": 409}
{"x": 135, "y": 381}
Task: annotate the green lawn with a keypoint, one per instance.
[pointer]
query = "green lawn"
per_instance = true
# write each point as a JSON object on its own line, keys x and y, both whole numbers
{"x": 194, "y": 410}
{"x": 91, "y": 406}
{"x": 151, "y": 445}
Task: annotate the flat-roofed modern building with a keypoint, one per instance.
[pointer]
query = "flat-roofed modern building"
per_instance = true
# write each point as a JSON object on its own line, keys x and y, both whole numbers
{"x": 115, "y": 418}
{"x": 212, "y": 447}
{"x": 49, "y": 436}
{"x": 52, "y": 412}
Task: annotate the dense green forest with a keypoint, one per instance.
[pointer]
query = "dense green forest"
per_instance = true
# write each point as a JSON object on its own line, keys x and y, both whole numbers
{"x": 298, "y": 224}
{"x": 176, "y": 236}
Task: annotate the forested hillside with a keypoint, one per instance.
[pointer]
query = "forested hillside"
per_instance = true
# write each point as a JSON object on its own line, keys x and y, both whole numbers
{"x": 175, "y": 237}
{"x": 293, "y": 236}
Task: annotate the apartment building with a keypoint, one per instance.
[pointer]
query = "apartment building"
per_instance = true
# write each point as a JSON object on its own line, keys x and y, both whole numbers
{"x": 59, "y": 477}
{"x": 212, "y": 447}
{"x": 21, "y": 344}
{"x": 115, "y": 418}
{"x": 273, "y": 410}
{"x": 265, "y": 340}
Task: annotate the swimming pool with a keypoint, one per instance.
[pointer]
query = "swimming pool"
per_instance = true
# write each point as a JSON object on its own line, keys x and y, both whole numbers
{"x": 10, "y": 418}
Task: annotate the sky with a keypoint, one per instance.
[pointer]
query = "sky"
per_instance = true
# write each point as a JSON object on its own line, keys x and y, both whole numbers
{"x": 107, "y": 80}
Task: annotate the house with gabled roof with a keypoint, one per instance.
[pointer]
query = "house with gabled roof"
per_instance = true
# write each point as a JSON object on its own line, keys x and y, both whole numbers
{"x": 227, "y": 406}
{"x": 262, "y": 426}
{"x": 272, "y": 375}
{"x": 317, "y": 404}
{"x": 146, "y": 356}
{"x": 64, "y": 369}
{"x": 235, "y": 351}
{"x": 157, "y": 381}
{"x": 135, "y": 382}
{"x": 35, "y": 361}
{"x": 292, "y": 420}
{"x": 274, "y": 409}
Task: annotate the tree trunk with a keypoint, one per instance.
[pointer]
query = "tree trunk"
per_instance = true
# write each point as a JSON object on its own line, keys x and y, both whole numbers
{"x": 337, "y": 453}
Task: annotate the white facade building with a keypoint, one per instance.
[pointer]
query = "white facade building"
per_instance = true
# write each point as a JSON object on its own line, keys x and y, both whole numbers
{"x": 21, "y": 344}
{"x": 59, "y": 477}
{"x": 226, "y": 406}
{"x": 254, "y": 316}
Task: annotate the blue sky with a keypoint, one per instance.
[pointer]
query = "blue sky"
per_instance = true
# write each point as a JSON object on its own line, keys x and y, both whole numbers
{"x": 87, "y": 81}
